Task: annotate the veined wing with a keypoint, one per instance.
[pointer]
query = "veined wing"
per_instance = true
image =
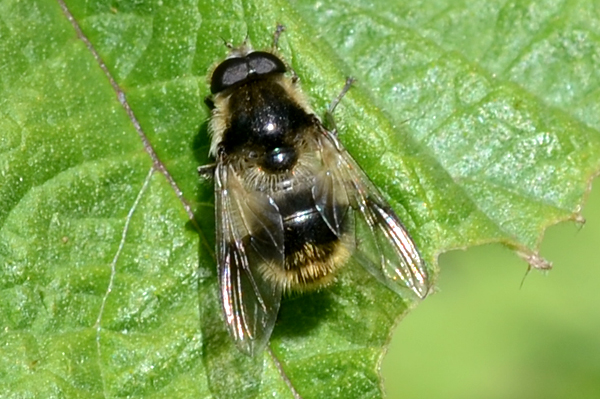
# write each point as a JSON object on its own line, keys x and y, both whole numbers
{"x": 249, "y": 234}
{"x": 382, "y": 244}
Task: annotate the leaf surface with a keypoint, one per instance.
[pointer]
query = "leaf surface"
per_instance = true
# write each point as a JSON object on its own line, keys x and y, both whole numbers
{"x": 476, "y": 132}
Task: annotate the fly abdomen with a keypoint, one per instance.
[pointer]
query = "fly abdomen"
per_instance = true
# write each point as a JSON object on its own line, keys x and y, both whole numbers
{"x": 313, "y": 252}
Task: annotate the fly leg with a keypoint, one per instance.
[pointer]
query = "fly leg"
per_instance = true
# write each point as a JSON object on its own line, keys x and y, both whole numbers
{"x": 335, "y": 102}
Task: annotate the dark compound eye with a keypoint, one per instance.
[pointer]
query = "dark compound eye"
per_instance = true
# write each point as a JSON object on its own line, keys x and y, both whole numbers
{"x": 228, "y": 73}
{"x": 237, "y": 70}
{"x": 262, "y": 63}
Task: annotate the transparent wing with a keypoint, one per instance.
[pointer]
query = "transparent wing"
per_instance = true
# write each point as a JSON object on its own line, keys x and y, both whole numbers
{"x": 382, "y": 244}
{"x": 249, "y": 234}
{"x": 330, "y": 191}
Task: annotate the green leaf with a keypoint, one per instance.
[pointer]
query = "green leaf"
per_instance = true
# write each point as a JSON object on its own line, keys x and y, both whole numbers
{"x": 476, "y": 132}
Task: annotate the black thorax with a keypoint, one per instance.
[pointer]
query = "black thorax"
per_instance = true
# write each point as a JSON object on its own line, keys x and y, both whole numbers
{"x": 266, "y": 124}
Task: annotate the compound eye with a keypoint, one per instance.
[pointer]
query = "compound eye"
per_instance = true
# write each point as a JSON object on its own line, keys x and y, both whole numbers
{"x": 239, "y": 69}
{"x": 263, "y": 63}
{"x": 228, "y": 73}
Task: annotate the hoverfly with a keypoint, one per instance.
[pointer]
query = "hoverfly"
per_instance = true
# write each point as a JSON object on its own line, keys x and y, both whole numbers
{"x": 292, "y": 206}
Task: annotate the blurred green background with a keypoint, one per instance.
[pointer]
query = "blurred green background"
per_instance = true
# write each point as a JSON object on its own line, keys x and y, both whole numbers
{"x": 484, "y": 336}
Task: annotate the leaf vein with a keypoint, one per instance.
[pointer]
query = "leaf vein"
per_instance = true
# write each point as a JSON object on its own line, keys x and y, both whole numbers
{"x": 113, "y": 269}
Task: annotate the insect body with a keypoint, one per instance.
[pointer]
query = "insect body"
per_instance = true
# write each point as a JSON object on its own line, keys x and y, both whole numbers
{"x": 292, "y": 206}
